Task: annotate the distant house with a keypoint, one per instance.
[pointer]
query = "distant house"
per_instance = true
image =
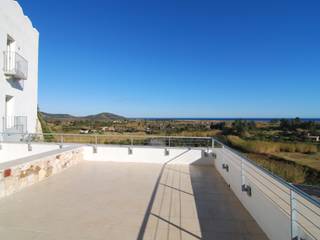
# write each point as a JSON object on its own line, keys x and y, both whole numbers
{"x": 313, "y": 138}
{"x": 116, "y": 121}
{"x": 84, "y": 131}
{"x": 108, "y": 129}
{"x": 148, "y": 130}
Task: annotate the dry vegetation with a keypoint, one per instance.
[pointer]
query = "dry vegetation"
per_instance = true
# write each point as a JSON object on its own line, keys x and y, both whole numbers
{"x": 264, "y": 147}
{"x": 291, "y": 172}
{"x": 296, "y": 162}
{"x": 280, "y": 146}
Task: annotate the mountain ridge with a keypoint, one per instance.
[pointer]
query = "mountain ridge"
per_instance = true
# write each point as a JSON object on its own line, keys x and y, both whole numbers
{"x": 104, "y": 116}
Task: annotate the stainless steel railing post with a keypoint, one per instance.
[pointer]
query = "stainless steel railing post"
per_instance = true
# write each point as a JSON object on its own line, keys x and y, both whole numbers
{"x": 29, "y": 143}
{"x": 243, "y": 180}
{"x": 95, "y": 142}
{"x": 61, "y": 142}
{"x": 130, "y": 147}
{"x": 293, "y": 216}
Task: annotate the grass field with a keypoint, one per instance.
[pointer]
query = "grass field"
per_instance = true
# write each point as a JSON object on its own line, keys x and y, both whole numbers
{"x": 295, "y": 162}
{"x": 310, "y": 160}
{"x": 268, "y": 147}
{"x": 291, "y": 172}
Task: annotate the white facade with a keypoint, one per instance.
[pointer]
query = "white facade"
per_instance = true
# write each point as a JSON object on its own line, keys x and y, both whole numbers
{"x": 18, "y": 69}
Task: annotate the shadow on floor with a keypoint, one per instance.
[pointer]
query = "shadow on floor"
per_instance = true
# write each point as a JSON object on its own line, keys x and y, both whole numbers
{"x": 194, "y": 202}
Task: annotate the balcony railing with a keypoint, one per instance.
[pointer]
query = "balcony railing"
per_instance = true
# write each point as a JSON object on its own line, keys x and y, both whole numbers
{"x": 14, "y": 124}
{"x": 282, "y": 210}
{"x": 15, "y": 66}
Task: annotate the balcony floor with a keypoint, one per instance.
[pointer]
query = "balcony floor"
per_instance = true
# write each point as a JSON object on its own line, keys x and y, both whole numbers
{"x": 105, "y": 200}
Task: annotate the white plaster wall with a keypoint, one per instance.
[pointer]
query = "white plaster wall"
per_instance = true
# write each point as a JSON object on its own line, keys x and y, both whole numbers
{"x": 13, "y": 22}
{"x": 263, "y": 205}
{"x": 13, "y": 151}
{"x": 141, "y": 154}
{"x": 120, "y": 154}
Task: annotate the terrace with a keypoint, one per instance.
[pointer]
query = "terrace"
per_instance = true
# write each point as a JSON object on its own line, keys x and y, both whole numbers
{"x": 138, "y": 187}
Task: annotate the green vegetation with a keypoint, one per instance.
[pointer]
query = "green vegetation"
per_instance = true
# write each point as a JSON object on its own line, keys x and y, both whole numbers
{"x": 265, "y": 147}
{"x": 278, "y": 158}
{"x": 45, "y": 128}
{"x": 282, "y": 146}
{"x": 297, "y": 174}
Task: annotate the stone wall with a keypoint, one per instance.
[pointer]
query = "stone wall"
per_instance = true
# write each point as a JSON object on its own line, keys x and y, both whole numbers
{"x": 17, "y": 177}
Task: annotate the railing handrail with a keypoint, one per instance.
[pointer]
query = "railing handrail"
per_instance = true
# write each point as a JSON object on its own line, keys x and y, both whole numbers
{"x": 16, "y": 53}
{"x": 14, "y": 116}
{"x": 272, "y": 175}
{"x": 14, "y": 121}
{"x": 15, "y": 64}
{"x": 110, "y": 135}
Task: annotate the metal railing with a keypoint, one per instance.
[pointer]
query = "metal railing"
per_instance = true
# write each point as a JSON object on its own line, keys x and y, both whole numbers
{"x": 14, "y": 124}
{"x": 15, "y": 66}
{"x": 300, "y": 209}
{"x": 99, "y": 139}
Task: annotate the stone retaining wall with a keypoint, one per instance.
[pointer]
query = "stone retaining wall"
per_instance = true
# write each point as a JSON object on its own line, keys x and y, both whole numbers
{"x": 17, "y": 177}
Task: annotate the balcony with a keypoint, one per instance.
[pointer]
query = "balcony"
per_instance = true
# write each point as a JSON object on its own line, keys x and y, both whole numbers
{"x": 137, "y": 188}
{"x": 14, "y": 124}
{"x": 15, "y": 66}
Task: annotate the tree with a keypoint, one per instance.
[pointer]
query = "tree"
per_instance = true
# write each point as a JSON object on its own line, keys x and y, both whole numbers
{"x": 296, "y": 123}
{"x": 219, "y": 126}
{"x": 284, "y": 124}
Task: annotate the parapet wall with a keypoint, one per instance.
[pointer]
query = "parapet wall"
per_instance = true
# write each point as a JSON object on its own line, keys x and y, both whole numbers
{"x": 281, "y": 211}
{"x": 157, "y": 155}
{"x": 21, "y": 173}
{"x": 39, "y": 161}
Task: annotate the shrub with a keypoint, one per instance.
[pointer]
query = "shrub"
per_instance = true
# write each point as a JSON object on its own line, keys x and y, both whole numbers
{"x": 265, "y": 147}
{"x": 290, "y": 172}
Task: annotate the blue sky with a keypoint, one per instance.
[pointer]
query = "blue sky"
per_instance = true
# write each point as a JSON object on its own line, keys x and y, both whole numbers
{"x": 183, "y": 58}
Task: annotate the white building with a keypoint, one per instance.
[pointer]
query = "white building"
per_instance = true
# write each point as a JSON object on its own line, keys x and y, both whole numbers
{"x": 313, "y": 138}
{"x": 18, "y": 69}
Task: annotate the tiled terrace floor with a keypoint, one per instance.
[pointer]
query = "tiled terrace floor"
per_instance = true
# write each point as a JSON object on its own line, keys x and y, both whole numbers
{"x": 104, "y": 200}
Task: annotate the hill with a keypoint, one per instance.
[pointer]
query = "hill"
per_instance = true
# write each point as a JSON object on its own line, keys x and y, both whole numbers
{"x": 67, "y": 117}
